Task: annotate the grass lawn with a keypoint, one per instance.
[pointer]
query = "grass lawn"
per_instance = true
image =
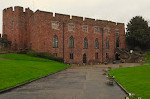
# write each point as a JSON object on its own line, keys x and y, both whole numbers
{"x": 21, "y": 68}
{"x": 148, "y": 58}
{"x": 134, "y": 79}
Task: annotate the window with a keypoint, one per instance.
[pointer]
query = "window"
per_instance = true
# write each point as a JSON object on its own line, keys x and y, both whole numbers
{"x": 71, "y": 55}
{"x": 55, "y": 42}
{"x": 71, "y": 42}
{"x": 117, "y": 42}
{"x": 85, "y": 28}
{"x": 106, "y": 31}
{"x": 117, "y": 30}
{"x": 107, "y": 44}
{"x": 96, "y": 29}
{"x": 96, "y": 55}
{"x": 85, "y": 43}
{"x": 96, "y": 44}
{"x": 55, "y": 25}
{"x": 71, "y": 27}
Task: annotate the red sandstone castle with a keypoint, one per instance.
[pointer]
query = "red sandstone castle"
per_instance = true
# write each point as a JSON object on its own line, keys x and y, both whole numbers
{"x": 76, "y": 39}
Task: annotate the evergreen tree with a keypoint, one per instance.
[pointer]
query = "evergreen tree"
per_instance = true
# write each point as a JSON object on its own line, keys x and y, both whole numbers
{"x": 138, "y": 33}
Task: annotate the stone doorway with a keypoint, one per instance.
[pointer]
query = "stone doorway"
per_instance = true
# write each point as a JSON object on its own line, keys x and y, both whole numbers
{"x": 84, "y": 58}
{"x": 117, "y": 56}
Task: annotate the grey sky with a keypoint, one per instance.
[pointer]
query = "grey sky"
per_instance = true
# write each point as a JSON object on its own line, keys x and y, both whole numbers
{"x": 114, "y": 10}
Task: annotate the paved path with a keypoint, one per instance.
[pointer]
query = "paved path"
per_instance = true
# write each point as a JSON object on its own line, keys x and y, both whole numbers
{"x": 85, "y": 82}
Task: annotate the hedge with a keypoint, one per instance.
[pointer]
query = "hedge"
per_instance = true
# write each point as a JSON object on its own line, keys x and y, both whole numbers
{"x": 44, "y": 55}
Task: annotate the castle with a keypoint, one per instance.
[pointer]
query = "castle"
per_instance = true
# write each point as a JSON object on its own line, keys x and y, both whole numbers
{"x": 76, "y": 39}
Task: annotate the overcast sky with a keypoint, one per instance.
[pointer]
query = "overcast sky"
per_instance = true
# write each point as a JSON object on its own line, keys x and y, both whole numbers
{"x": 114, "y": 10}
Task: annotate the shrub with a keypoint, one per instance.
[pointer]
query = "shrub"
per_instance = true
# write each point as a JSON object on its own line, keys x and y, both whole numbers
{"x": 32, "y": 53}
{"x": 59, "y": 59}
{"x": 22, "y": 51}
{"x": 45, "y": 55}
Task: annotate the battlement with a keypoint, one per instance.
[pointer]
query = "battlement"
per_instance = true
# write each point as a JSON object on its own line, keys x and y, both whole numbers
{"x": 112, "y": 23}
{"x": 45, "y": 14}
{"x": 77, "y": 18}
{"x": 16, "y": 9}
{"x": 62, "y": 17}
{"x": 9, "y": 10}
{"x": 120, "y": 24}
{"x": 27, "y": 10}
{"x": 90, "y": 20}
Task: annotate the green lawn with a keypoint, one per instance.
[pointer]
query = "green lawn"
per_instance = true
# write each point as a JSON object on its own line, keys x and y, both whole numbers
{"x": 148, "y": 58}
{"x": 134, "y": 79}
{"x": 21, "y": 68}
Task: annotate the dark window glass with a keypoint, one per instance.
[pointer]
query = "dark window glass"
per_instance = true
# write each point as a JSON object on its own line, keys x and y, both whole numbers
{"x": 71, "y": 55}
{"x": 96, "y": 55}
{"x": 71, "y": 42}
{"x": 107, "y": 55}
{"x": 107, "y": 44}
{"x": 55, "y": 42}
{"x": 85, "y": 43}
{"x": 96, "y": 44}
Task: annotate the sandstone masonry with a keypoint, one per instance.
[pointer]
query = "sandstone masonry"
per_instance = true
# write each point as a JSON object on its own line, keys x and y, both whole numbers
{"x": 37, "y": 31}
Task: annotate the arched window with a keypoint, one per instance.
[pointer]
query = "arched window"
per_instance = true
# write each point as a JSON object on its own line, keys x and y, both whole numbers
{"x": 117, "y": 42}
{"x": 85, "y": 43}
{"x": 96, "y": 44}
{"x": 107, "y": 44}
{"x": 71, "y": 42}
{"x": 55, "y": 41}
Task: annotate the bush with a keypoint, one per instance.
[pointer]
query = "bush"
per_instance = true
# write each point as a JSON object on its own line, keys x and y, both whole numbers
{"x": 45, "y": 55}
{"x": 32, "y": 53}
{"x": 59, "y": 59}
{"x": 22, "y": 51}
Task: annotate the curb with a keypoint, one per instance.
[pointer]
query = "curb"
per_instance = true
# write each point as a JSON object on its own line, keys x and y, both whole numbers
{"x": 25, "y": 83}
{"x": 122, "y": 87}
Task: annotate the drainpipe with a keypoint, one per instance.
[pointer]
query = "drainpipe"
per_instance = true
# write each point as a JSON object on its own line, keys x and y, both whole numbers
{"x": 63, "y": 41}
{"x": 102, "y": 44}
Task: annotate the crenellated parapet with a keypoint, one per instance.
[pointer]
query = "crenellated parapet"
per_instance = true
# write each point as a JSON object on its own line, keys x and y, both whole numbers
{"x": 18, "y": 11}
{"x": 74, "y": 19}
{"x": 120, "y": 24}
{"x": 77, "y": 19}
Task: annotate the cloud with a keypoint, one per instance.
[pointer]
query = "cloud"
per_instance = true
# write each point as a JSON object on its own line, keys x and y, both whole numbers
{"x": 114, "y": 10}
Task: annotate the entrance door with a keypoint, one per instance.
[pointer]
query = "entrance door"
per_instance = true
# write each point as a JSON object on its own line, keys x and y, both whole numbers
{"x": 117, "y": 56}
{"x": 84, "y": 58}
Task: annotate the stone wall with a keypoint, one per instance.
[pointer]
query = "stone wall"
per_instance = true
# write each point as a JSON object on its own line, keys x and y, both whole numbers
{"x": 34, "y": 31}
